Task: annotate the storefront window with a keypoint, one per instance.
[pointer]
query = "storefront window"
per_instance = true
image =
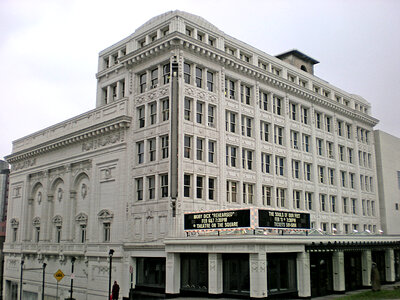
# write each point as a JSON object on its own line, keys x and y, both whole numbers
{"x": 194, "y": 272}
{"x": 236, "y": 274}
{"x": 281, "y": 273}
{"x": 151, "y": 272}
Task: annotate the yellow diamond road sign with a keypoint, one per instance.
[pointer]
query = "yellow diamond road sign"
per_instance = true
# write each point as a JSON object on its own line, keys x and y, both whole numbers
{"x": 59, "y": 275}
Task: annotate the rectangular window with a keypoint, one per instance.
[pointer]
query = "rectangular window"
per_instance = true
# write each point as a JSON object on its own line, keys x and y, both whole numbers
{"x": 164, "y": 146}
{"x": 141, "y": 116}
{"x": 304, "y": 115}
{"x": 354, "y": 206}
{"x": 248, "y": 193}
{"x": 139, "y": 189}
{"x": 345, "y": 205}
{"x": 106, "y": 232}
{"x": 142, "y": 82}
{"x": 350, "y": 155}
{"x": 309, "y": 201}
{"x": 348, "y": 127}
{"x": 199, "y": 112}
{"x": 264, "y": 101}
{"x": 329, "y": 149}
{"x": 340, "y": 128}
{"x": 331, "y": 174}
{"x": 306, "y": 143}
{"x": 199, "y": 149}
{"x": 307, "y": 171}
{"x": 165, "y": 109}
{"x": 333, "y": 203}
{"x": 153, "y": 113}
{"x": 166, "y": 73}
{"x": 187, "y": 146}
{"x": 140, "y": 152}
{"x": 231, "y": 191}
{"x": 211, "y": 151}
{"x": 266, "y": 195}
{"x": 211, "y": 116}
{"x": 199, "y": 187}
{"x": 321, "y": 172}
{"x": 322, "y": 201}
{"x": 341, "y": 153}
{"x": 210, "y": 81}
{"x": 296, "y": 169}
{"x": 231, "y": 155}
{"x": 187, "y": 183}
{"x": 320, "y": 150}
{"x": 296, "y": 199}
{"x": 279, "y": 166}
{"x": 211, "y": 188}
{"x": 328, "y": 124}
{"x": 294, "y": 139}
{"x": 245, "y": 96}
{"x": 154, "y": 78}
{"x": 318, "y": 120}
{"x": 151, "y": 185}
{"x": 264, "y": 131}
{"x": 58, "y": 234}
{"x": 199, "y": 77}
{"x": 278, "y": 135}
{"x": 266, "y": 163}
{"x": 343, "y": 178}
{"x": 246, "y": 126}
{"x": 352, "y": 183}
{"x": 188, "y": 109}
{"x": 280, "y": 197}
{"x": 247, "y": 159}
{"x": 83, "y": 233}
{"x": 277, "y": 106}
{"x": 164, "y": 185}
{"x": 152, "y": 149}
{"x": 230, "y": 121}
{"x": 230, "y": 89}
{"x": 186, "y": 72}
{"x": 363, "y": 207}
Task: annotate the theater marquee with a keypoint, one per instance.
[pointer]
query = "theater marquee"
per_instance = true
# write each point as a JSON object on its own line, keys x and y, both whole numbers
{"x": 251, "y": 218}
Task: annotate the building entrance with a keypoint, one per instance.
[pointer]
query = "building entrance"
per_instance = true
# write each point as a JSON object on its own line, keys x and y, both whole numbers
{"x": 236, "y": 274}
{"x": 353, "y": 270}
{"x": 321, "y": 274}
{"x": 281, "y": 274}
{"x": 379, "y": 258}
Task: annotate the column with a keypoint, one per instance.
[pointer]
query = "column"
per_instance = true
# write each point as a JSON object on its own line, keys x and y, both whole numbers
{"x": 50, "y": 209}
{"x": 303, "y": 274}
{"x": 69, "y": 216}
{"x": 173, "y": 273}
{"x": 215, "y": 278}
{"x": 389, "y": 263}
{"x": 366, "y": 262}
{"x": 258, "y": 275}
{"x": 338, "y": 272}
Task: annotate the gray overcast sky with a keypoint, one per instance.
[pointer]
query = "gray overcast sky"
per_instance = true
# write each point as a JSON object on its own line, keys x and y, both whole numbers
{"x": 49, "y": 49}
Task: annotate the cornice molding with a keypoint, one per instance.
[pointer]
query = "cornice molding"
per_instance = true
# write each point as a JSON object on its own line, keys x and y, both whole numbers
{"x": 184, "y": 42}
{"x": 117, "y": 123}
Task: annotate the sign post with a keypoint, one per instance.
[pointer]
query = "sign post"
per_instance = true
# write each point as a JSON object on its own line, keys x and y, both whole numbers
{"x": 58, "y": 276}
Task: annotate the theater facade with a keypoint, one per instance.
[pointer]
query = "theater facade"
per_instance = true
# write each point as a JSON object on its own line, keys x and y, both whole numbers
{"x": 208, "y": 167}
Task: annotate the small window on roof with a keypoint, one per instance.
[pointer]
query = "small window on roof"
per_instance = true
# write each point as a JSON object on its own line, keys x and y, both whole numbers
{"x": 303, "y": 67}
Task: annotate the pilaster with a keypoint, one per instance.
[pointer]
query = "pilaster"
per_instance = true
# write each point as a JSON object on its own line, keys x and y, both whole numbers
{"x": 303, "y": 274}
{"x": 258, "y": 275}
{"x": 173, "y": 273}
{"x": 215, "y": 277}
{"x": 366, "y": 262}
{"x": 338, "y": 272}
{"x": 389, "y": 263}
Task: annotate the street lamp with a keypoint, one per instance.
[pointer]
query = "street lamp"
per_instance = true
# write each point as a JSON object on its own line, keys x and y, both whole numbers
{"x": 20, "y": 281}
{"x": 110, "y": 255}
{"x": 72, "y": 277}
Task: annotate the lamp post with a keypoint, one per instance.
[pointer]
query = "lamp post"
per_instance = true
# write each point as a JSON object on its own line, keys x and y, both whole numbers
{"x": 44, "y": 272}
{"x": 110, "y": 255}
{"x": 72, "y": 277}
{"x": 20, "y": 280}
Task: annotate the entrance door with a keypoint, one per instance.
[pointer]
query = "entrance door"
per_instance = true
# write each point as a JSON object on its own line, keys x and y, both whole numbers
{"x": 379, "y": 258}
{"x": 353, "y": 270}
{"x": 321, "y": 274}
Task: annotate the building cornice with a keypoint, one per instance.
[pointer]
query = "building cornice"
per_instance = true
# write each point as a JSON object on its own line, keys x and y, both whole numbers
{"x": 72, "y": 138}
{"x": 183, "y": 42}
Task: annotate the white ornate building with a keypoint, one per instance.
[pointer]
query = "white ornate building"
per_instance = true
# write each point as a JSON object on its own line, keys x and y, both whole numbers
{"x": 189, "y": 119}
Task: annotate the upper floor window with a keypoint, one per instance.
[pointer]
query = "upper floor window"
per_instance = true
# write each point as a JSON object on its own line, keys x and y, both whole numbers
{"x": 166, "y": 73}
{"x": 247, "y": 126}
{"x": 165, "y": 109}
{"x": 264, "y": 101}
{"x": 142, "y": 82}
{"x": 186, "y": 72}
{"x": 154, "y": 78}
{"x": 230, "y": 89}
{"x": 199, "y": 77}
{"x": 277, "y": 105}
{"x": 245, "y": 94}
{"x": 210, "y": 81}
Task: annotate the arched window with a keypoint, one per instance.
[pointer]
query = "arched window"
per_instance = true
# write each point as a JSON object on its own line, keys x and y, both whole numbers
{"x": 303, "y": 67}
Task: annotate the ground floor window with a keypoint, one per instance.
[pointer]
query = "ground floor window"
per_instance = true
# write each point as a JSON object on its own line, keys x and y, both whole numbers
{"x": 321, "y": 274}
{"x": 194, "y": 272}
{"x": 12, "y": 290}
{"x": 236, "y": 273}
{"x": 281, "y": 273}
{"x": 150, "y": 272}
{"x": 29, "y": 295}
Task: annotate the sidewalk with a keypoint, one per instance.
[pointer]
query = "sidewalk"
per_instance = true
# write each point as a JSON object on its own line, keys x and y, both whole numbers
{"x": 335, "y": 296}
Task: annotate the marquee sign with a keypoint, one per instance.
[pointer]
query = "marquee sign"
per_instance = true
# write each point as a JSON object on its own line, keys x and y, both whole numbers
{"x": 283, "y": 219}
{"x": 228, "y": 219}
